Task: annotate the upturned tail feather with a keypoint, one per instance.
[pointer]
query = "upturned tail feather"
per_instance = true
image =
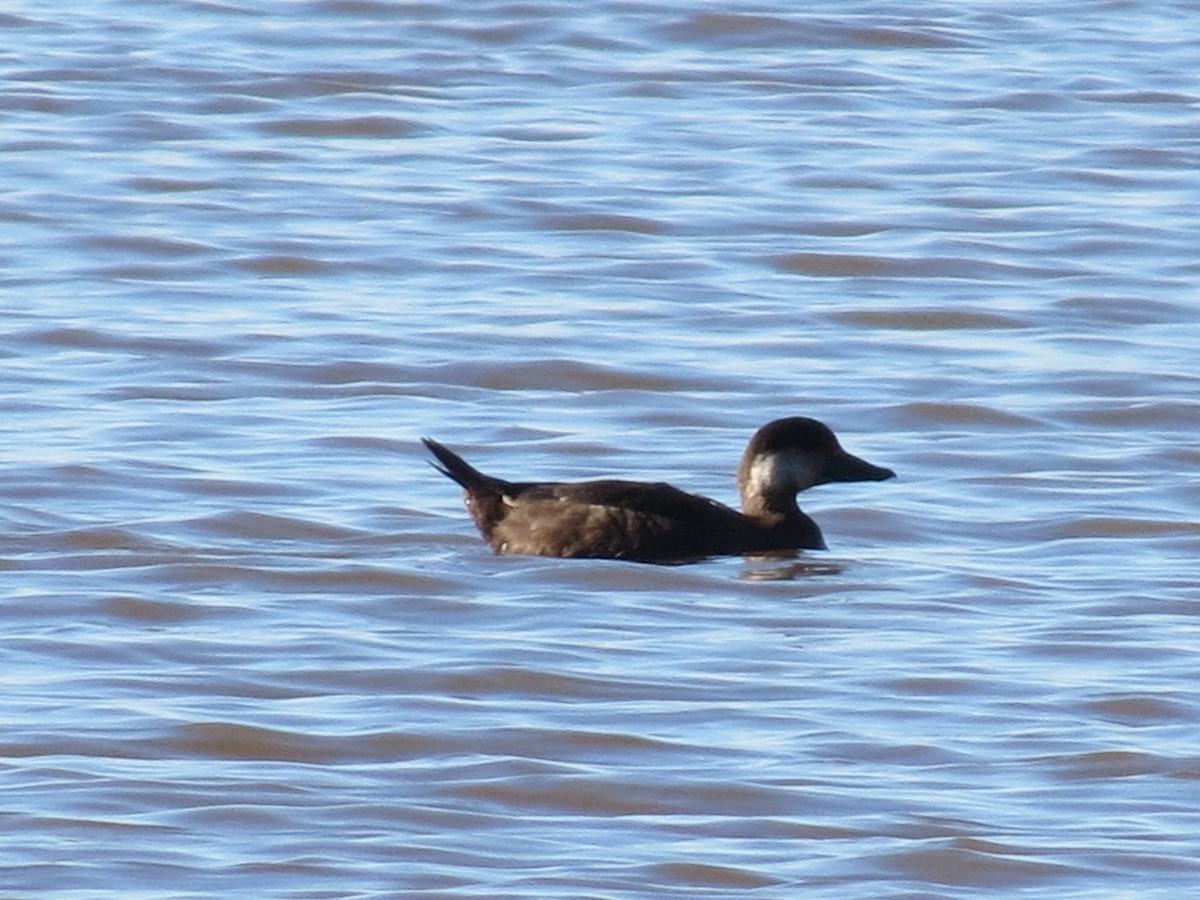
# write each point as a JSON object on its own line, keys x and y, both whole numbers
{"x": 456, "y": 468}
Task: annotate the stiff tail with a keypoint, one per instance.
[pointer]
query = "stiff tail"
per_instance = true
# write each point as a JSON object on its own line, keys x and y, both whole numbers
{"x": 456, "y": 468}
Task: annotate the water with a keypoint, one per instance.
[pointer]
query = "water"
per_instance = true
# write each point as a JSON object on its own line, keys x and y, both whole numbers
{"x": 253, "y": 252}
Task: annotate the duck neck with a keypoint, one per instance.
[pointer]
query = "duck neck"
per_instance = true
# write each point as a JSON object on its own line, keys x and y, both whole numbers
{"x": 768, "y": 492}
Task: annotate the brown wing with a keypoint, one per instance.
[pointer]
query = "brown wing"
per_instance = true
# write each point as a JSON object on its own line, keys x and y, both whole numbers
{"x": 615, "y": 519}
{"x": 652, "y": 498}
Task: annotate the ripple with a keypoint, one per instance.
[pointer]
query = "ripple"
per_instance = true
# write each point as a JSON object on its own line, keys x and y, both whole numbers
{"x": 605, "y": 222}
{"x": 158, "y": 185}
{"x": 529, "y": 683}
{"x": 105, "y": 340}
{"x": 731, "y": 29}
{"x": 542, "y": 134}
{"x": 266, "y": 527}
{"x": 351, "y": 127}
{"x": 156, "y": 612}
{"x": 976, "y": 863}
{"x": 1143, "y": 710}
{"x": 844, "y": 265}
{"x": 965, "y": 414}
{"x": 283, "y": 264}
{"x": 931, "y": 319}
{"x": 705, "y": 876}
{"x": 1115, "y": 527}
{"x": 1104, "y": 765}
{"x": 149, "y": 246}
{"x": 562, "y": 375}
{"x": 582, "y": 795}
{"x": 230, "y": 740}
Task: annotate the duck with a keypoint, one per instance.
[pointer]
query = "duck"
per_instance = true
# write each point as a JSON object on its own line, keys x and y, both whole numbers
{"x": 654, "y": 522}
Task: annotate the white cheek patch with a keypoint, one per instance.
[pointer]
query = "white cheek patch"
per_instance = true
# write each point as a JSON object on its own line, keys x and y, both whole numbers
{"x": 776, "y": 471}
{"x": 763, "y": 473}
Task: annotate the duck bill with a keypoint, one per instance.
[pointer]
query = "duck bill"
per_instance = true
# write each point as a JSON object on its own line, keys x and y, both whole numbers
{"x": 847, "y": 467}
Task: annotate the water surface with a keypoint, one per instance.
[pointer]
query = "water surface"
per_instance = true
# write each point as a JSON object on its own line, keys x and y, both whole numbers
{"x": 253, "y": 252}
